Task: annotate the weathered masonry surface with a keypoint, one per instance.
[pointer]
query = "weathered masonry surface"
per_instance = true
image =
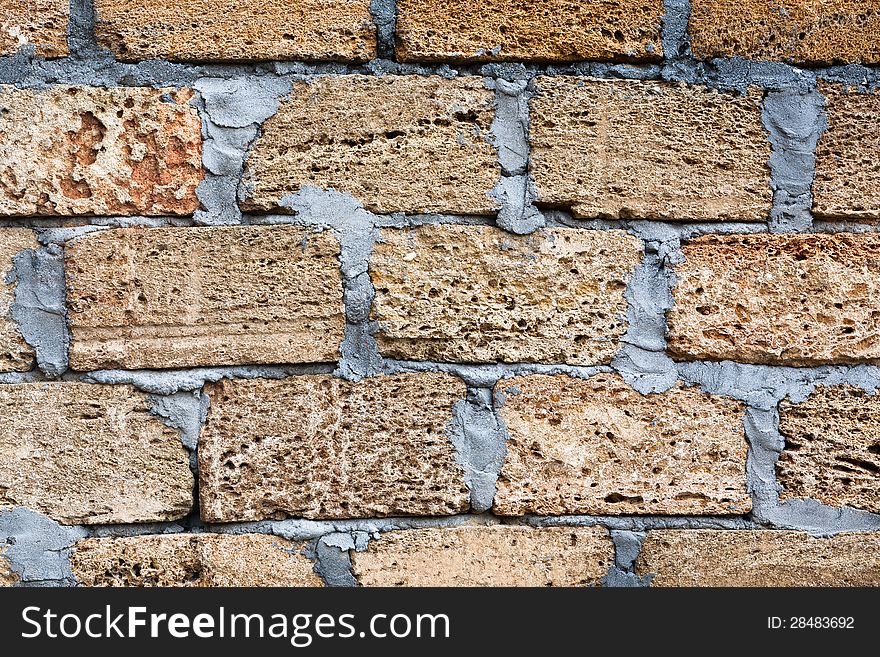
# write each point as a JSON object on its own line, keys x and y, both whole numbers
{"x": 399, "y": 293}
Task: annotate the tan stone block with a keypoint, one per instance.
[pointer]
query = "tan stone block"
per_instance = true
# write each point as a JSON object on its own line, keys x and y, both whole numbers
{"x": 42, "y": 23}
{"x": 182, "y": 297}
{"x": 708, "y": 557}
{"x": 193, "y": 560}
{"x": 8, "y": 577}
{"x": 230, "y": 30}
{"x": 625, "y": 149}
{"x": 553, "y": 30}
{"x": 832, "y": 448}
{"x": 486, "y": 556}
{"x": 15, "y": 354}
{"x": 479, "y": 294}
{"x": 90, "y": 454}
{"x": 778, "y": 299}
{"x": 597, "y": 446}
{"x": 815, "y": 32}
{"x": 322, "y": 447}
{"x": 102, "y": 151}
{"x": 396, "y": 143}
{"x": 847, "y": 182}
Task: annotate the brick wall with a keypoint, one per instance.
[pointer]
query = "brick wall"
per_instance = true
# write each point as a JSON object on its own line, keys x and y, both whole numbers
{"x": 341, "y": 292}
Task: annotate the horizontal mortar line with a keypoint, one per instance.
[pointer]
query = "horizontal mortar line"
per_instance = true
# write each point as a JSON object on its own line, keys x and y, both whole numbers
{"x": 184, "y": 73}
{"x": 307, "y": 528}
{"x": 495, "y": 371}
{"x": 554, "y": 219}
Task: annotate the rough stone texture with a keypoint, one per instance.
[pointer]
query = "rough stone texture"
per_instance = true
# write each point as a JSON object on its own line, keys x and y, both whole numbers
{"x": 322, "y": 447}
{"x": 778, "y": 299}
{"x": 812, "y": 32}
{"x": 597, "y": 148}
{"x": 103, "y": 151}
{"x": 554, "y": 30}
{"x": 15, "y": 354}
{"x": 181, "y": 297}
{"x": 707, "y": 557}
{"x": 228, "y": 30}
{"x": 597, "y": 446}
{"x": 486, "y": 556}
{"x": 42, "y": 23}
{"x": 478, "y": 294}
{"x": 396, "y": 143}
{"x": 847, "y": 183}
{"x": 8, "y": 577}
{"x": 89, "y": 454}
{"x": 832, "y": 448}
{"x": 193, "y": 560}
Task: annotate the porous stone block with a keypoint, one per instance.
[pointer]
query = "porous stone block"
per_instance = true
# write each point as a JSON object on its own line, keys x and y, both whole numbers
{"x": 626, "y": 149}
{"x": 184, "y": 297}
{"x": 549, "y": 31}
{"x": 38, "y": 23}
{"x": 708, "y": 557}
{"x": 479, "y": 294}
{"x": 813, "y": 32}
{"x": 832, "y": 448}
{"x": 75, "y": 150}
{"x": 396, "y": 143}
{"x": 805, "y": 299}
{"x": 230, "y": 30}
{"x": 486, "y": 556}
{"x": 322, "y": 447}
{"x": 847, "y": 182}
{"x": 596, "y": 446}
{"x": 90, "y": 454}
{"x": 193, "y": 560}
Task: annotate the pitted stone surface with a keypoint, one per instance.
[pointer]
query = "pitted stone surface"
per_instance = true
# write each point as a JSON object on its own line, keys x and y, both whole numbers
{"x": 847, "y": 183}
{"x": 396, "y": 143}
{"x": 486, "y": 556}
{"x": 40, "y": 23}
{"x": 597, "y": 149}
{"x": 479, "y": 294}
{"x": 832, "y": 448}
{"x": 230, "y": 30}
{"x": 554, "y": 30}
{"x": 182, "y": 297}
{"x": 322, "y": 447}
{"x": 193, "y": 560}
{"x": 778, "y": 299}
{"x": 815, "y": 32}
{"x": 90, "y": 454}
{"x": 597, "y": 446}
{"x": 101, "y": 151}
{"x": 706, "y": 557}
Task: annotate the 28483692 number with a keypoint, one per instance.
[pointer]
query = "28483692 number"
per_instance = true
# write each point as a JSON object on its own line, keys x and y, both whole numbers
{"x": 811, "y": 623}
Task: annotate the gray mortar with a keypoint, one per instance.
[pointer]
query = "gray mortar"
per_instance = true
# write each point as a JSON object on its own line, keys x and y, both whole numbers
{"x": 232, "y": 110}
{"x": 479, "y": 437}
{"x": 38, "y": 548}
{"x": 355, "y": 229}
{"x": 794, "y": 120}
{"x": 169, "y": 382}
{"x": 762, "y": 387}
{"x": 333, "y": 559}
{"x": 38, "y": 309}
{"x": 621, "y": 574}
{"x": 515, "y": 191}
{"x": 184, "y": 411}
{"x": 384, "y": 13}
{"x": 642, "y": 359}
